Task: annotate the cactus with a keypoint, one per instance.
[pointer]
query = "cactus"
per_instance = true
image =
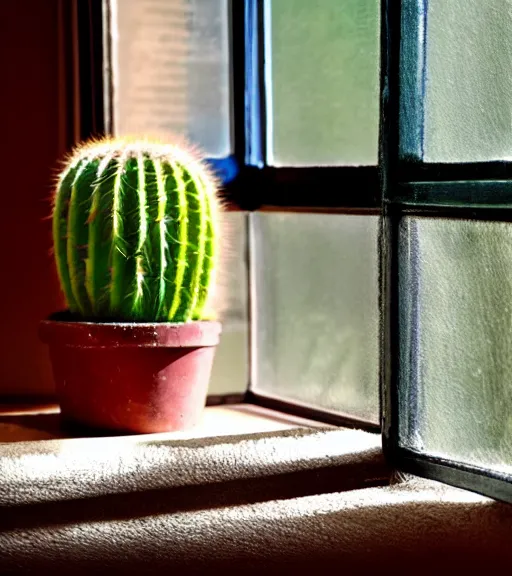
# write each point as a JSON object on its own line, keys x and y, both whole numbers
{"x": 135, "y": 232}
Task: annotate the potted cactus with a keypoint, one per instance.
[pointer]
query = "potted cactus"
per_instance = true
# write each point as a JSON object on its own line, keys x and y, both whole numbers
{"x": 136, "y": 242}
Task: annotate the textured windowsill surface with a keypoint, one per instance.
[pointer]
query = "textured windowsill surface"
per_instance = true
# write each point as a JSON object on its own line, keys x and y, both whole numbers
{"x": 284, "y": 494}
{"x": 419, "y": 527}
{"x": 41, "y": 463}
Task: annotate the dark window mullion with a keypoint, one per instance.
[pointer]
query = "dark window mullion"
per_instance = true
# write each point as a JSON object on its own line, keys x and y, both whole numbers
{"x": 389, "y": 152}
{"x": 420, "y": 172}
{"x": 255, "y": 109}
{"x": 238, "y": 84}
{"x": 411, "y": 78}
{"x": 336, "y": 188}
{"x": 90, "y": 21}
{"x": 474, "y": 195}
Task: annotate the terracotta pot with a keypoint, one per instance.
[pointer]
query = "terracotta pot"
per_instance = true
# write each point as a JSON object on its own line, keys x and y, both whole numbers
{"x": 131, "y": 377}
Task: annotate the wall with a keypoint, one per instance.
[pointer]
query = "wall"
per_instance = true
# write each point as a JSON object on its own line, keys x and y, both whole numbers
{"x": 29, "y": 102}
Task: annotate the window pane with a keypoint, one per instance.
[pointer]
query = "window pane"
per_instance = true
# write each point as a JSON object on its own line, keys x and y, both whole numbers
{"x": 231, "y": 365}
{"x": 456, "y": 334}
{"x": 323, "y": 79}
{"x": 316, "y": 310}
{"x": 172, "y": 70}
{"x": 468, "y": 115}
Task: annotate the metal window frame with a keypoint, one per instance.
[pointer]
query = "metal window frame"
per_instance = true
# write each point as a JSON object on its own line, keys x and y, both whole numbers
{"x": 475, "y": 191}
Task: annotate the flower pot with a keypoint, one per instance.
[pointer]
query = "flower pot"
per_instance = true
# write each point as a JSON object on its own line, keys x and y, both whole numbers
{"x": 140, "y": 378}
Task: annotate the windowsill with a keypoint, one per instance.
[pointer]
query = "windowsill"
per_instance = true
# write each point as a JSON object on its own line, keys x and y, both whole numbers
{"x": 40, "y": 462}
{"x": 250, "y": 486}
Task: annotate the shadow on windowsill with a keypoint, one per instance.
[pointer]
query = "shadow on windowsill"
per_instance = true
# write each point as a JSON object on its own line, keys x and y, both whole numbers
{"x": 22, "y": 423}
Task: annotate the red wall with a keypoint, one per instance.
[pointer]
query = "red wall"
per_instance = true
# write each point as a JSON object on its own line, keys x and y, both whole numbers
{"x": 29, "y": 107}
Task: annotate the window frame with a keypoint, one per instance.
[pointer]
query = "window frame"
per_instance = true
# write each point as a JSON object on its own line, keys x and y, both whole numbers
{"x": 477, "y": 191}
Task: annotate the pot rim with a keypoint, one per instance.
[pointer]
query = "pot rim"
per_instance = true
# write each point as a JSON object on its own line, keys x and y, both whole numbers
{"x": 59, "y": 331}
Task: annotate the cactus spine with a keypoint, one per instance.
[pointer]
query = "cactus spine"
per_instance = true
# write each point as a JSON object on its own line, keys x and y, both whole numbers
{"x": 135, "y": 232}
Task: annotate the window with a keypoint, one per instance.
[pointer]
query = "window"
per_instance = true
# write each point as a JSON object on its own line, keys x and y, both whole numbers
{"x": 338, "y": 126}
{"x": 321, "y": 82}
{"x": 315, "y": 331}
{"x": 448, "y": 397}
{"x": 171, "y": 70}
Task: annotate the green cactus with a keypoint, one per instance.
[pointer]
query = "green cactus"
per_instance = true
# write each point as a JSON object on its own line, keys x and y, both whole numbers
{"x": 135, "y": 232}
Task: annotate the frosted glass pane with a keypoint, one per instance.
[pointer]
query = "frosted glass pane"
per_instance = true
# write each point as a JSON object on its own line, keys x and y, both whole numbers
{"x": 323, "y": 82}
{"x": 316, "y": 310}
{"x": 468, "y": 115}
{"x": 231, "y": 365}
{"x": 172, "y": 70}
{"x": 456, "y": 340}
